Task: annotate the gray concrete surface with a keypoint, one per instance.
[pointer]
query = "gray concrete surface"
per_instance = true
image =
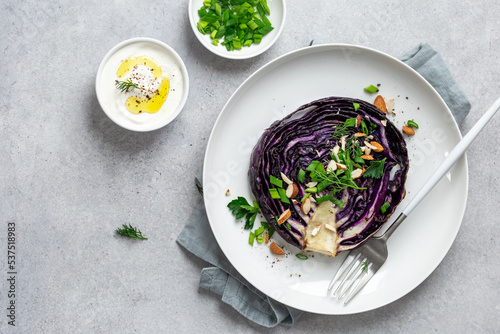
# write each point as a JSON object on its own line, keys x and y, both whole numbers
{"x": 69, "y": 176}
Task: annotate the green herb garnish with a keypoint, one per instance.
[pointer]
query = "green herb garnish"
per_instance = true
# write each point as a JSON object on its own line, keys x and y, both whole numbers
{"x": 356, "y": 106}
{"x": 125, "y": 86}
{"x": 375, "y": 170}
{"x": 130, "y": 231}
{"x": 301, "y": 256}
{"x": 364, "y": 266}
{"x": 241, "y": 208}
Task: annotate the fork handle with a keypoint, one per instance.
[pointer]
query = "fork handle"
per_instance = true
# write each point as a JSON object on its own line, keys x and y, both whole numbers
{"x": 445, "y": 166}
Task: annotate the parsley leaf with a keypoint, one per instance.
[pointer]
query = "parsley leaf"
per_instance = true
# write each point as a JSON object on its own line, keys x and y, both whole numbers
{"x": 241, "y": 208}
{"x": 375, "y": 170}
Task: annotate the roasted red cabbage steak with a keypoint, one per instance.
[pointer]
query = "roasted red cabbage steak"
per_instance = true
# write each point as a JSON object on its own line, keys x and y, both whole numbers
{"x": 330, "y": 174}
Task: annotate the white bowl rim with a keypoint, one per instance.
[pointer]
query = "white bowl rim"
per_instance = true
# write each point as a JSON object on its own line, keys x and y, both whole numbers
{"x": 185, "y": 75}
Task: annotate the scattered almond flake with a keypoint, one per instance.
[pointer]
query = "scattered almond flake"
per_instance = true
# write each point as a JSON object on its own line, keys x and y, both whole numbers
{"x": 359, "y": 134}
{"x": 336, "y": 149}
{"x": 291, "y": 191}
{"x": 228, "y": 193}
{"x": 330, "y": 227}
{"x": 370, "y": 146}
{"x": 285, "y": 178}
{"x": 369, "y": 137}
{"x": 306, "y": 205}
{"x": 311, "y": 184}
{"x": 312, "y": 199}
{"x": 358, "y": 121}
{"x": 342, "y": 142}
{"x": 332, "y": 166}
{"x": 341, "y": 166}
{"x": 384, "y": 122}
{"x": 390, "y": 106}
{"x": 356, "y": 174}
{"x": 315, "y": 231}
{"x": 367, "y": 150}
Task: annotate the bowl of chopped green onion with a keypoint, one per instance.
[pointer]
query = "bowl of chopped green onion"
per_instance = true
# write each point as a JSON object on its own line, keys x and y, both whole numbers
{"x": 237, "y": 29}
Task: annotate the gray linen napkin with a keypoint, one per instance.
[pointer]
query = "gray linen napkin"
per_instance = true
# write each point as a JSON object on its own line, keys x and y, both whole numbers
{"x": 223, "y": 279}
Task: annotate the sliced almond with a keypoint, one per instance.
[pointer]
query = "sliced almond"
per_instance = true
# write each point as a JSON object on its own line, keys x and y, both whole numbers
{"x": 384, "y": 122}
{"x": 390, "y": 106}
{"x": 341, "y": 166}
{"x": 306, "y": 206}
{"x": 336, "y": 149}
{"x": 358, "y": 121}
{"x": 266, "y": 238}
{"x": 311, "y": 184}
{"x": 380, "y": 103}
{"x": 356, "y": 174}
{"x": 332, "y": 166}
{"x": 376, "y": 146}
{"x": 409, "y": 131}
{"x": 359, "y": 134}
{"x": 330, "y": 227}
{"x": 284, "y": 216}
{"x": 342, "y": 143}
{"x": 366, "y": 157}
{"x": 316, "y": 230}
{"x": 276, "y": 249}
{"x": 291, "y": 191}
{"x": 285, "y": 179}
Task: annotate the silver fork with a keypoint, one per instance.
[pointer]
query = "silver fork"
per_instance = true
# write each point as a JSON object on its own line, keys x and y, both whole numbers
{"x": 369, "y": 257}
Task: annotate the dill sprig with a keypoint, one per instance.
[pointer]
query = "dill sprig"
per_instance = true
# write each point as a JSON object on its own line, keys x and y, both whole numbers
{"x": 130, "y": 231}
{"x": 125, "y": 86}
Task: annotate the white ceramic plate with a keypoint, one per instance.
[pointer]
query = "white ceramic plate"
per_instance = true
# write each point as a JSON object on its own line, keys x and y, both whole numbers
{"x": 277, "y": 18}
{"x": 280, "y": 87}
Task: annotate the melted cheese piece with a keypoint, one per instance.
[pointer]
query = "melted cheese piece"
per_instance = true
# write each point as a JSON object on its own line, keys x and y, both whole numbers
{"x": 325, "y": 241}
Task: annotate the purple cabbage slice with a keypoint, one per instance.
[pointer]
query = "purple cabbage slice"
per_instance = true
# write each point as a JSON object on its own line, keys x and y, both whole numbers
{"x": 323, "y": 132}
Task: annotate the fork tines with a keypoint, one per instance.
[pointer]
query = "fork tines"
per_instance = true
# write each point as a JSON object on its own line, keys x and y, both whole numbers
{"x": 354, "y": 264}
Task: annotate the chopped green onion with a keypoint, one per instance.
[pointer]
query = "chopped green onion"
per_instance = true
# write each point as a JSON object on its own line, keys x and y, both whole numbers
{"x": 259, "y": 231}
{"x": 277, "y": 182}
{"x": 251, "y": 238}
{"x": 236, "y": 23}
{"x": 384, "y": 207}
{"x": 350, "y": 122}
{"x": 282, "y": 193}
{"x": 412, "y": 124}
{"x": 371, "y": 89}
{"x": 364, "y": 128}
{"x": 264, "y": 224}
{"x": 312, "y": 166}
{"x": 356, "y": 106}
{"x": 311, "y": 190}
{"x": 288, "y": 226}
{"x": 260, "y": 239}
{"x": 301, "y": 256}
{"x": 302, "y": 176}
{"x": 274, "y": 193}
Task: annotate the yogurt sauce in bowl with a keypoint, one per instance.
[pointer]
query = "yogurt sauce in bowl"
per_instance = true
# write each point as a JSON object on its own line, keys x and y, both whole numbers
{"x": 142, "y": 84}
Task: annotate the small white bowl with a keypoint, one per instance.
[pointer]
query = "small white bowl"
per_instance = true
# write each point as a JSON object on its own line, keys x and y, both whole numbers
{"x": 108, "y": 95}
{"x": 277, "y": 18}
